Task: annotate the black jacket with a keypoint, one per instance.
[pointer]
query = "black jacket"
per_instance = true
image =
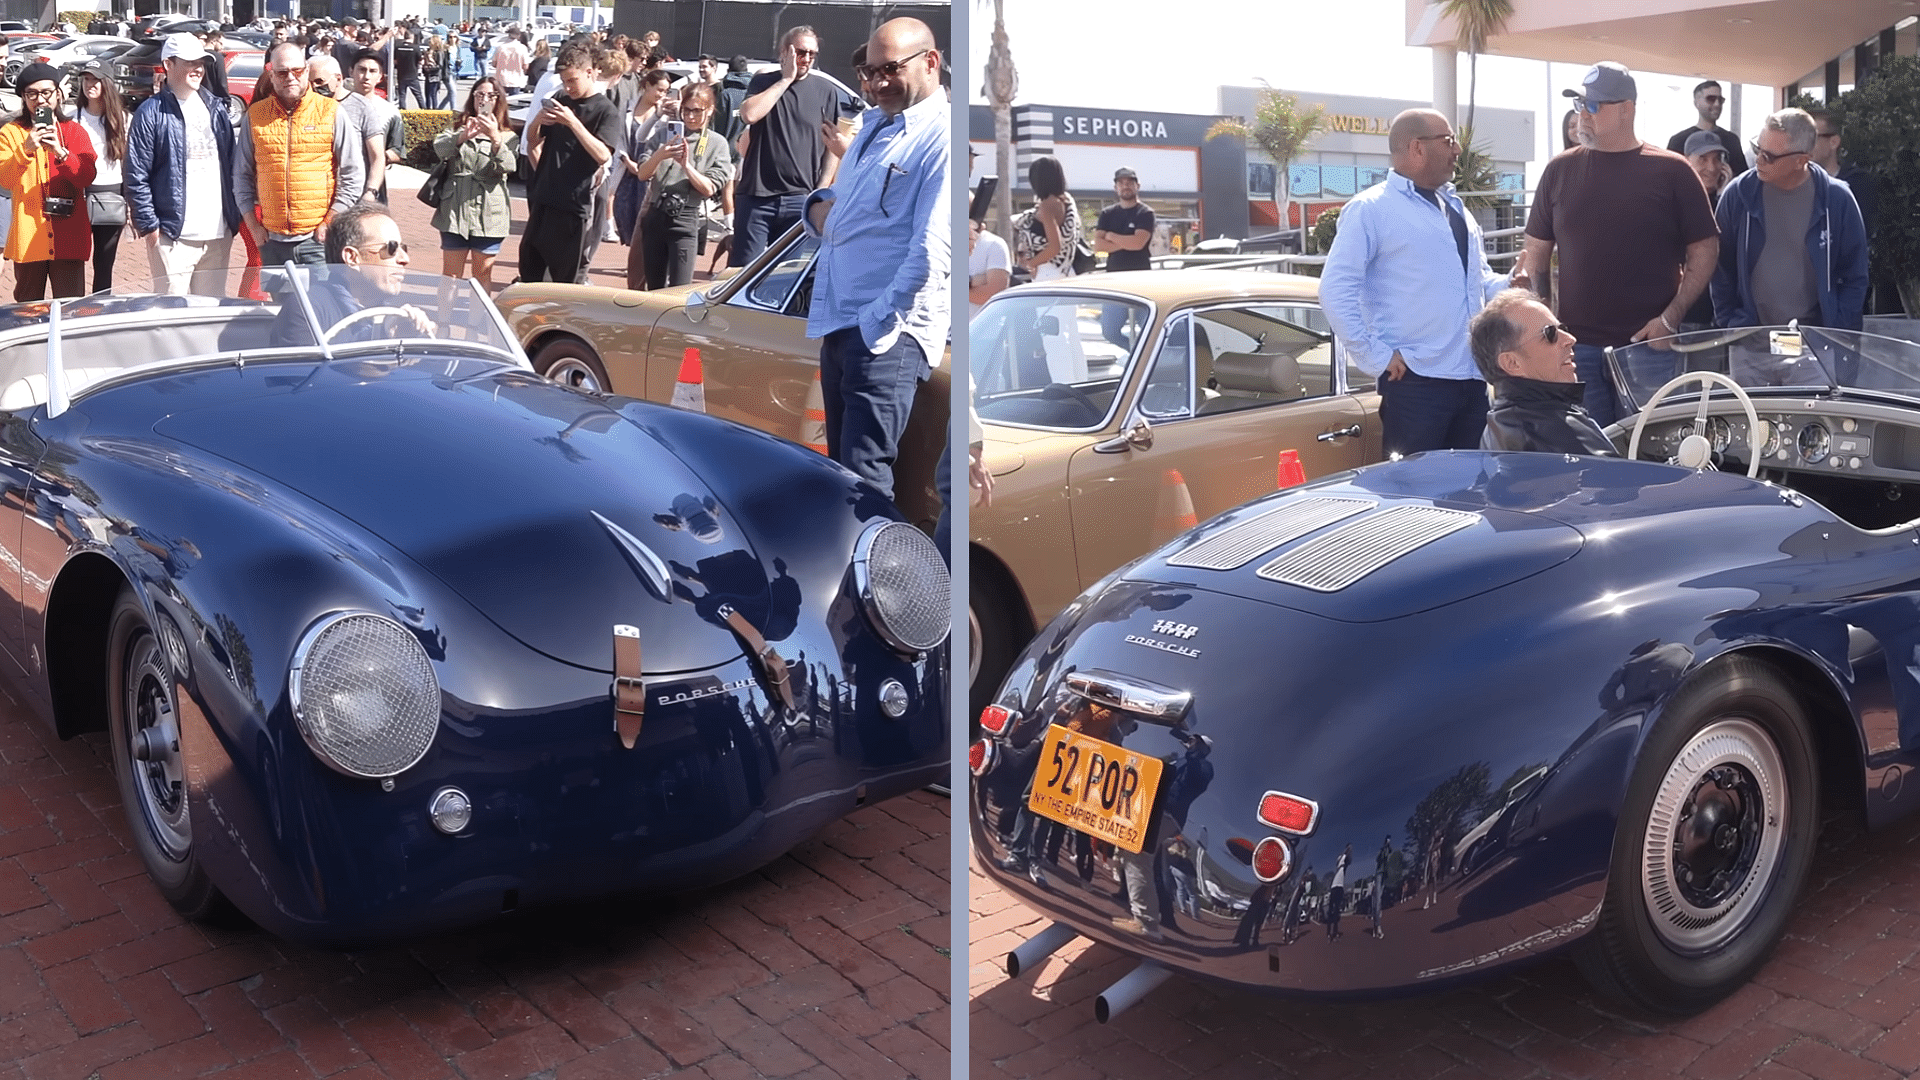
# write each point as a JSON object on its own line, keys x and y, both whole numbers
{"x": 1544, "y": 417}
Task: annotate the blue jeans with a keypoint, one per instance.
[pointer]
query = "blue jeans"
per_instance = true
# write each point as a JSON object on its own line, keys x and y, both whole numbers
{"x": 307, "y": 252}
{"x": 1419, "y": 413}
{"x": 943, "y": 481}
{"x": 868, "y": 398}
{"x": 758, "y": 220}
{"x": 1602, "y": 403}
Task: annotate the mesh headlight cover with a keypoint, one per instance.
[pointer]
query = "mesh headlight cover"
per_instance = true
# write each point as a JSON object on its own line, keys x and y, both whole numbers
{"x": 903, "y": 585}
{"x": 364, "y": 695}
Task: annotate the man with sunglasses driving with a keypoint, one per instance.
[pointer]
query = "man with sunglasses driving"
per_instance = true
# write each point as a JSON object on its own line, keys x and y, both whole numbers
{"x": 366, "y": 266}
{"x": 1527, "y": 355}
{"x": 1796, "y": 245}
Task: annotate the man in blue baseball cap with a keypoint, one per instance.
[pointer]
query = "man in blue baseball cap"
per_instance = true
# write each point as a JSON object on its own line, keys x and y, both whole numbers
{"x": 1637, "y": 238}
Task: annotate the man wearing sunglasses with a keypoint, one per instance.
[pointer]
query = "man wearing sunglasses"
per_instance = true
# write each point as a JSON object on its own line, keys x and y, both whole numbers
{"x": 786, "y": 155}
{"x": 366, "y": 266}
{"x": 1527, "y": 355}
{"x": 1708, "y": 100}
{"x": 298, "y": 164}
{"x": 1406, "y": 273}
{"x": 1796, "y": 245}
{"x": 1636, "y": 237}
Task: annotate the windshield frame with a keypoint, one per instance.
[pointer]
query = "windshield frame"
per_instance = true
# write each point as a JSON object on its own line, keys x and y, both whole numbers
{"x": 1633, "y": 390}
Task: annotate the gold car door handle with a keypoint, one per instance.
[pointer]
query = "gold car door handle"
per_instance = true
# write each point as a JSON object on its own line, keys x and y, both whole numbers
{"x": 1351, "y": 431}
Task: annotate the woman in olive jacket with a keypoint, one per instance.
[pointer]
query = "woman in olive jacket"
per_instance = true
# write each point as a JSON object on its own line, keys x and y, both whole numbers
{"x": 475, "y": 213}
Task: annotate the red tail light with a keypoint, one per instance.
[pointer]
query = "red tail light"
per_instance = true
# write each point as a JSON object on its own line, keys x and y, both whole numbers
{"x": 1288, "y": 813}
{"x": 981, "y": 756}
{"x": 1271, "y": 858}
{"x": 996, "y": 719}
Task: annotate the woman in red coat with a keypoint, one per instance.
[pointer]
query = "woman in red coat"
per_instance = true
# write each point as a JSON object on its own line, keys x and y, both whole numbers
{"x": 47, "y": 167}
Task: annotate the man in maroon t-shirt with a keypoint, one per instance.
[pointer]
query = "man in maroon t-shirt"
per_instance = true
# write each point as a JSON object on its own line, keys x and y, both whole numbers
{"x": 1637, "y": 238}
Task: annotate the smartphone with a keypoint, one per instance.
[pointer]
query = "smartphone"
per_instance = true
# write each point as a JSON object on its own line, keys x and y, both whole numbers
{"x": 676, "y": 130}
{"x": 983, "y": 197}
{"x": 43, "y": 116}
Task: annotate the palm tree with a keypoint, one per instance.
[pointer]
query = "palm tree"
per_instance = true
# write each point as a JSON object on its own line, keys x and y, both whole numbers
{"x": 1476, "y": 21}
{"x": 1280, "y": 128}
{"x": 1002, "y": 85}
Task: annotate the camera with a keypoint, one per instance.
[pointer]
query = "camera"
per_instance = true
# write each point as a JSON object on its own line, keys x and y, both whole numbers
{"x": 53, "y": 206}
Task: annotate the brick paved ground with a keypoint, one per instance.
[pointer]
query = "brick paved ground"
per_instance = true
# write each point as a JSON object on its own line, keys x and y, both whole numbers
{"x": 831, "y": 963}
{"x": 828, "y": 964}
{"x": 1837, "y": 1000}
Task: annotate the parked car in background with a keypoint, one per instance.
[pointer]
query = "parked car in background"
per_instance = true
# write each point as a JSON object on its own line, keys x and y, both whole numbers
{"x": 62, "y": 53}
{"x": 750, "y": 331}
{"x": 1120, "y": 409}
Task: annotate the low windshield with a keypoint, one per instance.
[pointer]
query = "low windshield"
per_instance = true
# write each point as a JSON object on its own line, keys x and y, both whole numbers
{"x": 1053, "y": 361}
{"x": 1773, "y": 358}
{"x": 346, "y": 306}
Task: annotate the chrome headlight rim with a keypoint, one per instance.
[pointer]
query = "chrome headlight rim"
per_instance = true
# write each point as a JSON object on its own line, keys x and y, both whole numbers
{"x": 869, "y": 602}
{"x": 297, "y": 676}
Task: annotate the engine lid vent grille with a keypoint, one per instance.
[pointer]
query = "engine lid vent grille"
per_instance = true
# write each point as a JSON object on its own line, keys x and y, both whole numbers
{"x": 1351, "y": 552}
{"x": 1235, "y": 547}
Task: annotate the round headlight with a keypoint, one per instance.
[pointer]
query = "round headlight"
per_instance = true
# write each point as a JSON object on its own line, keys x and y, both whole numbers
{"x": 364, "y": 695}
{"x": 903, "y": 585}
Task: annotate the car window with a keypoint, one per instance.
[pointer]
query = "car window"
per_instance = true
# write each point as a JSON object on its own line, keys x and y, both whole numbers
{"x": 778, "y": 286}
{"x": 1047, "y": 361}
{"x": 1168, "y": 394}
{"x": 245, "y": 66}
{"x": 1247, "y": 357}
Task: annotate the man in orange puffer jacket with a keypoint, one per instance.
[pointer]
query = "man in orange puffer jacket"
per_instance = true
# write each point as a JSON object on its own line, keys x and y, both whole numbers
{"x": 298, "y": 162}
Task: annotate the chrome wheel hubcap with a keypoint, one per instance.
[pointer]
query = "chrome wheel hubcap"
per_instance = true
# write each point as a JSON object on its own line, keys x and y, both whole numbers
{"x": 974, "y": 640}
{"x": 574, "y": 372}
{"x": 1715, "y": 836}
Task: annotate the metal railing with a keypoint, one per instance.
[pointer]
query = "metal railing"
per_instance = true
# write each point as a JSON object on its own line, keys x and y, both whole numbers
{"x": 1282, "y": 263}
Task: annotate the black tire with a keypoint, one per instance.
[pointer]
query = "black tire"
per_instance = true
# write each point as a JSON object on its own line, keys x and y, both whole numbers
{"x": 142, "y": 695}
{"x": 1732, "y": 768}
{"x": 572, "y": 362}
{"x": 994, "y": 640}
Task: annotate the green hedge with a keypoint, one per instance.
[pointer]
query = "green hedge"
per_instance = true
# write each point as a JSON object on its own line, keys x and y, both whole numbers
{"x": 80, "y": 19}
{"x": 421, "y": 127}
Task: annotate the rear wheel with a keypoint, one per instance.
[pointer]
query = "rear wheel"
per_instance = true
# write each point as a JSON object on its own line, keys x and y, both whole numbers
{"x": 144, "y": 727}
{"x": 571, "y": 362}
{"x": 1714, "y": 843}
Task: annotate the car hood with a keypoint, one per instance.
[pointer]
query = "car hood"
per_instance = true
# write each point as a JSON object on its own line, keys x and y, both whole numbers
{"x": 538, "y": 505}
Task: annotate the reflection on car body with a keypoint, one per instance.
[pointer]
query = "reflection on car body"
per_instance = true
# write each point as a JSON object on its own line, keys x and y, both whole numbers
{"x": 389, "y": 634}
{"x": 1589, "y": 702}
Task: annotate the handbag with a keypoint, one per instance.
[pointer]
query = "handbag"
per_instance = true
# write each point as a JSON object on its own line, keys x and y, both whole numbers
{"x": 106, "y": 206}
{"x": 434, "y": 190}
{"x": 1083, "y": 262}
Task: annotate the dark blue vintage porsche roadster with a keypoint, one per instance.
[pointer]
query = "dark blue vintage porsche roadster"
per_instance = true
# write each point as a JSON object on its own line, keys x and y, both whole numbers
{"x": 1420, "y": 721}
{"x": 389, "y": 634}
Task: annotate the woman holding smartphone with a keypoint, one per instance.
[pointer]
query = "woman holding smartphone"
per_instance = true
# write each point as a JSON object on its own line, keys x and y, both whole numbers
{"x": 687, "y": 170}
{"x": 475, "y": 215}
{"x": 47, "y": 163}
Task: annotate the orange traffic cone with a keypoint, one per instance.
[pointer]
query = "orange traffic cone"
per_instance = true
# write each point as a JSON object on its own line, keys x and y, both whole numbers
{"x": 813, "y": 430}
{"x": 1290, "y": 474}
{"x": 1176, "y": 507}
{"x": 690, "y": 391}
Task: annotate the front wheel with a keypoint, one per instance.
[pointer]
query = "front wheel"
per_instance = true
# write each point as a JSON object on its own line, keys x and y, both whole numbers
{"x": 144, "y": 728}
{"x": 1715, "y": 841}
{"x": 571, "y": 362}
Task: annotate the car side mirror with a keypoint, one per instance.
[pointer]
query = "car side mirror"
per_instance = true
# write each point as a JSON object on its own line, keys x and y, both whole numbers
{"x": 696, "y": 306}
{"x": 1138, "y": 436}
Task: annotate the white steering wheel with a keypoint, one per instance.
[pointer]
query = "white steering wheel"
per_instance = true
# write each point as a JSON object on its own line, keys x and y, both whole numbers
{"x": 1695, "y": 451}
{"x": 361, "y": 316}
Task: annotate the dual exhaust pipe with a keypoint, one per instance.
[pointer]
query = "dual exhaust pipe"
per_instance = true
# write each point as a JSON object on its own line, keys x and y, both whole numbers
{"x": 1112, "y": 1001}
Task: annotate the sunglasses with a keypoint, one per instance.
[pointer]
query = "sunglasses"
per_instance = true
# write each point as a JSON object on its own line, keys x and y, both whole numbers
{"x": 1590, "y": 106}
{"x": 1448, "y": 139}
{"x": 1768, "y": 157}
{"x": 888, "y": 69}
{"x": 387, "y": 250}
{"x": 1551, "y": 332}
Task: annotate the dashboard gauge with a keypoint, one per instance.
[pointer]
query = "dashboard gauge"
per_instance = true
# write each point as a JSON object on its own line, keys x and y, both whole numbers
{"x": 1719, "y": 434}
{"x": 1814, "y": 444}
{"x": 1770, "y": 436}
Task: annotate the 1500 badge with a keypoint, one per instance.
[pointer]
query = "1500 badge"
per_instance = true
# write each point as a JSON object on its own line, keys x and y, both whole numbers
{"x": 1171, "y": 629}
{"x": 695, "y": 695}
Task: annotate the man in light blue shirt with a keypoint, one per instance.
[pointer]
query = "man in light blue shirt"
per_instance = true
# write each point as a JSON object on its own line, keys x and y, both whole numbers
{"x": 881, "y": 278}
{"x": 1406, "y": 274}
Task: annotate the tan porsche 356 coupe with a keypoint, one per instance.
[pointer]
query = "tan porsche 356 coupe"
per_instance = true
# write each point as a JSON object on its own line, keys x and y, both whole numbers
{"x": 1119, "y": 409}
{"x": 751, "y": 329}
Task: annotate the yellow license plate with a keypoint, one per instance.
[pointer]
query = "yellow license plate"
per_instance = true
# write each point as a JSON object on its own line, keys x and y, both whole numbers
{"x": 1101, "y": 789}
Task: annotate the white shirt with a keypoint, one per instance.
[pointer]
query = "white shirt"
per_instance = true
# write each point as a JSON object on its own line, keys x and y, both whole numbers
{"x": 202, "y": 218}
{"x": 989, "y": 253}
{"x": 106, "y": 173}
